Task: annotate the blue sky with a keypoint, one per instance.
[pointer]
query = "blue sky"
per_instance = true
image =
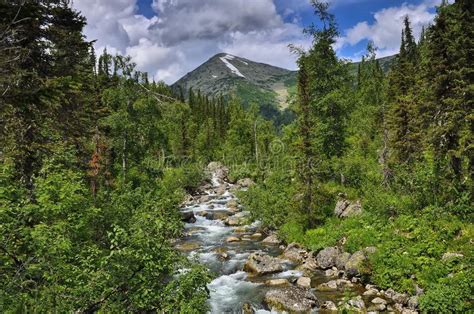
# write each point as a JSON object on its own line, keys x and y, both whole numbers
{"x": 169, "y": 38}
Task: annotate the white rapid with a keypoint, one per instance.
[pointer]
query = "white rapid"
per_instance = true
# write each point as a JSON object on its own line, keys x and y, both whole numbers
{"x": 207, "y": 234}
{"x": 217, "y": 218}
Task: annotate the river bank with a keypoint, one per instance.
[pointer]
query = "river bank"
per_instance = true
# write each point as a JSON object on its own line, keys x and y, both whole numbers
{"x": 256, "y": 273}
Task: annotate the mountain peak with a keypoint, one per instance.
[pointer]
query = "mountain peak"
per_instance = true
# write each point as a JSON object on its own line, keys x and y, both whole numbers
{"x": 225, "y": 74}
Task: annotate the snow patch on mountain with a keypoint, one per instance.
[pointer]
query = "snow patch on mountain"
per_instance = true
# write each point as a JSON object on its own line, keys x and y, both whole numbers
{"x": 233, "y": 69}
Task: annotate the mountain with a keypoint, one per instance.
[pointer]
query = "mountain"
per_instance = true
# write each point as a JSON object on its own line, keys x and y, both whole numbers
{"x": 225, "y": 74}
{"x": 253, "y": 82}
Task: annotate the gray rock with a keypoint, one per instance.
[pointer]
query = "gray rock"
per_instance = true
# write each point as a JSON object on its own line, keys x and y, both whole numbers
{"x": 352, "y": 210}
{"x": 338, "y": 284}
{"x": 354, "y": 264}
{"x": 401, "y": 298}
{"x": 341, "y": 205}
{"x": 357, "y": 303}
{"x": 295, "y": 253}
{"x": 277, "y": 282}
{"x": 377, "y": 308}
{"x": 342, "y": 259}
{"x": 310, "y": 264}
{"x": 333, "y": 272}
{"x": 327, "y": 286}
{"x": 329, "y": 305}
{"x": 418, "y": 290}
{"x": 304, "y": 282}
{"x": 219, "y": 171}
{"x": 188, "y": 216}
{"x": 292, "y": 299}
{"x": 204, "y": 199}
{"x": 370, "y": 250}
{"x": 245, "y": 183}
{"x": 371, "y": 292}
{"x": 413, "y": 303}
{"x": 379, "y": 301}
{"x": 232, "y": 239}
{"x": 232, "y": 203}
{"x": 345, "y": 208}
{"x": 247, "y": 308}
{"x": 326, "y": 258}
{"x": 271, "y": 239}
{"x": 260, "y": 264}
{"x": 234, "y": 221}
{"x": 451, "y": 255}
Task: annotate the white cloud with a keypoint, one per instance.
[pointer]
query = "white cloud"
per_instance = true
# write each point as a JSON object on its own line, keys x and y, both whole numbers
{"x": 386, "y": 29}
{"x": 185, "y": 33}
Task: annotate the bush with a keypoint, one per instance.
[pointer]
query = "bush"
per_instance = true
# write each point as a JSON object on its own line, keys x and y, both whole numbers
{"x": 452, "y": 294}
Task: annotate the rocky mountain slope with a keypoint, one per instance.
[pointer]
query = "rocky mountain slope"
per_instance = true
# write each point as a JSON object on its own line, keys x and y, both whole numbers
{"x": 265, "y": 85}
{"x": 225, "y": 74}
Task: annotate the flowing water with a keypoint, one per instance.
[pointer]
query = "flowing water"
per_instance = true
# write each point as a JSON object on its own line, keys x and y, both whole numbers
{"x": 205, "y": 241}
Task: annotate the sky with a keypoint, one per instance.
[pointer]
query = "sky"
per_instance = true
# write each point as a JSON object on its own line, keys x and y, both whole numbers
{"x": 169, "y": 38}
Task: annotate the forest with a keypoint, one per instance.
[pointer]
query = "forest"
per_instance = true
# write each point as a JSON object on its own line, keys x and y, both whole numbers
{"x": 96, "y": 159}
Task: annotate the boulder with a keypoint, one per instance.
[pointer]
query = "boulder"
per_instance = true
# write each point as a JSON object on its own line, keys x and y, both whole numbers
{"x": 188, "y": 199}
{"x": 204, "y": 199}
{"x": 338, "y": 284}
{"x": 232, "y": 239}
{"x": 277, "y": 282}
{"x": 327, "y": 286}
{"x": 271, "y": 239}
{"x": 333, "y": 272}
{"x": 342, "y": 259}
{"x": 354, "y": 264}
{"x": 326, "y": 258}
{"x": 370, "y": 292}
{"x": 256, "y": 235}
{"x": 292, "y": 299}
{"x": 240, "y": 229}
{"x": 222, "y": 253}
{"x": 188, "y": 246}
{"x": 401, "y": 298}
{"x": 375, "y": 308}
{"x": 217, "y": 215}
{"x": 329, "y": 306}
{"x": 188, "y": 216}
{"x": 202, "y": 213}
{"x": 370, "y": 250}
{"x": 215, "y": 166}
{"x": 304, "y": 282}
{"x": 341, "y": 205}
{"x": 247, "y": 308}
{"x": 356, "y": 303}
{"x": 295, "y": 253}
{"x": 221, "y": 189}
{"x": 260, "y": 264}
{"x": 345, "y": 208}
{"x": 379, "y": 301}
{"x": 234, "y": 221}
{"x": 451, "y": 255}
{"x": 232, "y": 203}
{"x": 245, "y": 183}
{"x": 234, "y": 210}
{"x": 413, "y": 303}
{"x": 309, "y": 264}
{"x": 353, "y": 209}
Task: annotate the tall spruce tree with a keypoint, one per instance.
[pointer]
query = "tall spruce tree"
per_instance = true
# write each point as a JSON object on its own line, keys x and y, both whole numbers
{"x": 323, "y": 88}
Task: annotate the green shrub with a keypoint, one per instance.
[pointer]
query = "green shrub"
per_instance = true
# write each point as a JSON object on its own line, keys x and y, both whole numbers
{"x": 452, "y": 294}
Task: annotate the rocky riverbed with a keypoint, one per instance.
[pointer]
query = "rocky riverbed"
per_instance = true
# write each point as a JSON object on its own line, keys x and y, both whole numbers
{"x": 256, "y": 273}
